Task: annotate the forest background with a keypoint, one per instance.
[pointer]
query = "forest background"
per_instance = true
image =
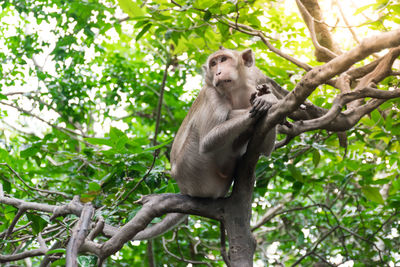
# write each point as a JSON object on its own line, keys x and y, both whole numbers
{"x": 93, "y": 92}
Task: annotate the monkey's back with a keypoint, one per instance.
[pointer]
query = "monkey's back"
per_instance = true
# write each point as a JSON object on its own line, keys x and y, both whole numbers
{"x": 197, "y": 173}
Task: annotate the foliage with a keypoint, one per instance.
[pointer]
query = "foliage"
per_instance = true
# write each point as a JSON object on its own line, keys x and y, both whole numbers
{"x": 79, "y": 87}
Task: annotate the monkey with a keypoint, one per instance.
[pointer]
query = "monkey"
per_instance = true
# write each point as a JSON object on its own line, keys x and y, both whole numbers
{"x": 215, "y": 132}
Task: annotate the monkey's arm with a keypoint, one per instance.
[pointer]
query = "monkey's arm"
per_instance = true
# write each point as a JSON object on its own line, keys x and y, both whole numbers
{"x": 227, "y": 132}
{"x": 237, "y": 113}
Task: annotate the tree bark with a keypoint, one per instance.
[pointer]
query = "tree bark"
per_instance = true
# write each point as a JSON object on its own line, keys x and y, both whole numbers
{"x": 322, "y": 32}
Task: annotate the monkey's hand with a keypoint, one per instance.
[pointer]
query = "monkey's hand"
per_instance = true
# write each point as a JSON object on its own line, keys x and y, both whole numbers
{"x": 260, "y": 105}
{"x": 263, "y": 89}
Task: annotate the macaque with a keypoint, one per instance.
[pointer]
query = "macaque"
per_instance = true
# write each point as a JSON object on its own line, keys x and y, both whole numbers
{"x": 217, "y": 128}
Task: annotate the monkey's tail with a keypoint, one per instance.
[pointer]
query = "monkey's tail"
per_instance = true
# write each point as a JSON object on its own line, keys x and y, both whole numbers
{"x": 170, "y": 221}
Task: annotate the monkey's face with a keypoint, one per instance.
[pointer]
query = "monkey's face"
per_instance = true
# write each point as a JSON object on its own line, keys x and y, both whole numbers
{"x": 226, "y": 69}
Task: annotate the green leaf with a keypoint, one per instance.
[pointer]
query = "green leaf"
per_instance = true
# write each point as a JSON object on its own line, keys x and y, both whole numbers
{"x": 38, "y": 223}
{"x": 363, "y": 8}
{"x": 6, "y": 186}
{"x": 143, "y": 31}
{"x": 203, "y": 4}
{"x": 159, "y": 146}
{"x": 94, "y": 186}
{"x": 223, "y": 30}
{"x": 60, "y": 262}
{"x": 118, "y": 138}
{"x": 54, "y": 251}
{"x": 300, "y": 238}
{"x": 141, "y": 24}
{"x": 372, "y": 193}
{"x": 296, "y": 173}
{"x": 132, "y": 8}
{"x": 316, "y": 157}
{"x": 29, "y": 152}
{"x": 376, "y": 116}
{"x": 99, "y": 141}
{"x": 297, "y": 187}
{"x": 3, "y": 96}
{"x": 170, "y": 188}
{"x": 207, "y": 15}
{"x": 395, "y": 8}
{"x": 9, "y": 212}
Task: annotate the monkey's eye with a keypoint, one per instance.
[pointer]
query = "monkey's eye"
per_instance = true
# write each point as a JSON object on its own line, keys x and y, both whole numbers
{"x": 223, "y": 59}
{"x": 213, "y": 63}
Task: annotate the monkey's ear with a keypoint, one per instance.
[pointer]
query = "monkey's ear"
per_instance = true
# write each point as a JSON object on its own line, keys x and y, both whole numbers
{"x": 204, "y": 68}
{"x": 248, "y": 57}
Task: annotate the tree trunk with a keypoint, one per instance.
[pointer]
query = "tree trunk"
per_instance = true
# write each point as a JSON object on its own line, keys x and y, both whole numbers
{"x": 238, "y": 210}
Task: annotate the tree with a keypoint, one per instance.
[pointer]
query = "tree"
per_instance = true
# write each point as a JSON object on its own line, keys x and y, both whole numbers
{"x": 93, "y": 92}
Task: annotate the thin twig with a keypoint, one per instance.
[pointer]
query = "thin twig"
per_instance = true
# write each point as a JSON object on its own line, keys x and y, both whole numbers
{"x": 223, "y": 245}
{"x": 160, "y": 101}
{"x": 20, "y": 212}
{"x": 33, "y": 188}
{"x": 67, "y": 131}
{"x": 155, "y": 155}
{"x": 181, "y": 258}
{"x": 250, "y": 31}
{"x": 322, "y": 238}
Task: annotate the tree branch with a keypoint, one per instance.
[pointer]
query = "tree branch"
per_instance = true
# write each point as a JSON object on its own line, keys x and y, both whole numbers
{"x": 79, "y": 233}
{"x": 30, "y": 187}
{"x": 67, "y": 131}
{"x": 321, "y": 74}
{"x": 272, "y": 212}
{"x": 21, "y": 211}
{"x": 322, "y": 53}
{"x": 181, "y": 258}
{"x": 250, "y": 31}
{"x": 155, "y": 206}
{"x": 322, "y": 238}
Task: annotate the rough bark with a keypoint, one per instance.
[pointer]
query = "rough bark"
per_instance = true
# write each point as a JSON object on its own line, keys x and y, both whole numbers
{"x": 312, "y": 15}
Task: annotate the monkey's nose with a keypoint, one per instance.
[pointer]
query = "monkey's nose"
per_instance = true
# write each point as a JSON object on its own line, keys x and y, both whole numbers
{"x": 218, "y": 73}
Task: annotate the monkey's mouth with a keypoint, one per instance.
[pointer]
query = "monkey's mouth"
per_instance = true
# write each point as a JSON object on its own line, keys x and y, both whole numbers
{"x": 220, "y": 82}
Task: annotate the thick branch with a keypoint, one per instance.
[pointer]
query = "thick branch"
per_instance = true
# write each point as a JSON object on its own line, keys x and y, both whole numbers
{"x": 326, "y": 48}
{"x": 382, "y": 70}
{"x": 333, "y": 122}
{"x": 155, "y": 206}
{"x": 70, "y": 208}
{"x": 23, "y": 255}
{"x": 321, "y": 74}
{"x": 78, "y": 235}
{"x": 359, "y": 72}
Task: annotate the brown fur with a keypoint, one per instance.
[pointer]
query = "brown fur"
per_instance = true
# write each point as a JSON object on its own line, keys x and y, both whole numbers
{"x": 216, "y": 130}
